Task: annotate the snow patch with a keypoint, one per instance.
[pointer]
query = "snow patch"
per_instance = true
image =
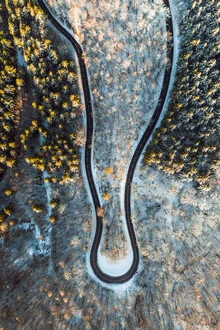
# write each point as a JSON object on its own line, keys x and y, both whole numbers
{"x": 116, "y": 268}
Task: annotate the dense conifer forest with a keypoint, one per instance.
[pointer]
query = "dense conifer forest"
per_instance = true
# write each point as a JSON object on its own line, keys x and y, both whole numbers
{"x": 187, "y": 141}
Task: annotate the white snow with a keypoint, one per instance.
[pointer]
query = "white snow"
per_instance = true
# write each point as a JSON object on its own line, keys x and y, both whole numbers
{"x": 48, "y": 231}
{"x": 121, "y": 266}
{"x": 116, "y": 268}
{"x": 118, "y": 288}
{"x": 176, "y": 39}
{"x": 137, "y": 176}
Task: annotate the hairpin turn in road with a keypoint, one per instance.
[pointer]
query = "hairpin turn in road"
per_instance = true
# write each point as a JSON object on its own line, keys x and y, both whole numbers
{"x": 139, "y": 149}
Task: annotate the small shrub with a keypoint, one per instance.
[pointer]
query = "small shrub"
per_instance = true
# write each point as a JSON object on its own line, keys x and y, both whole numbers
{"x": 37, "y": 208}
{"x": 53, "y": 203}
{"x": 3, "y": 227}
{"x": 8, "y": 211}
{"x": 52, "y": 219}
{"x": 108, "y": 170}
{"x": 100, "y": 212}
{"x": 8, "y": 192}
{"x": 106, "y": 196}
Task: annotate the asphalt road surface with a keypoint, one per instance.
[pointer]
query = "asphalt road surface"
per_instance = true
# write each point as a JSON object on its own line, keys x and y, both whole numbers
{"x": 139, "y": 149}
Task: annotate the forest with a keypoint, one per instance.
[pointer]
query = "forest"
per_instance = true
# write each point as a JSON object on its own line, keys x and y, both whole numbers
{"x": 30, "y": 61}
{"x": 186, "y": 143}
{"x": 46, "y": 212}
{"x": 39, "y": 102}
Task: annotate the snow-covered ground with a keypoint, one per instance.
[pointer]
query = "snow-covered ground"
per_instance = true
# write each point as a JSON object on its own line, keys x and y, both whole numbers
{"x": 125, "y": 48}
{"x": 117, "y": 268}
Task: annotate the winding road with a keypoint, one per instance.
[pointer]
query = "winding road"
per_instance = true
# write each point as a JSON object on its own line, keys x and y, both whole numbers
{"x": 139, "y": 149}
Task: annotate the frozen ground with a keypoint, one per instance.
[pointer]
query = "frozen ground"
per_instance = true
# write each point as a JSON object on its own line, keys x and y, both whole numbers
{"x": 125, "y": 52}
{"x": 178, "y": 237}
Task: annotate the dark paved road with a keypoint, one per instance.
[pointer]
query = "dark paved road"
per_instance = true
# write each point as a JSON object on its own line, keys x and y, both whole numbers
{"x": 88, "y": 152}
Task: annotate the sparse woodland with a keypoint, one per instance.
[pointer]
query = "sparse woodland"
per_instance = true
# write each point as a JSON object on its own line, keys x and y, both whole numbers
{"x": 187, "y": 142}
{"x": 125, "y": 52}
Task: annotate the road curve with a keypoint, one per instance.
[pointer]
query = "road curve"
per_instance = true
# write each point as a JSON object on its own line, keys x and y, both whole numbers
{"x": 88, "y": 152}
